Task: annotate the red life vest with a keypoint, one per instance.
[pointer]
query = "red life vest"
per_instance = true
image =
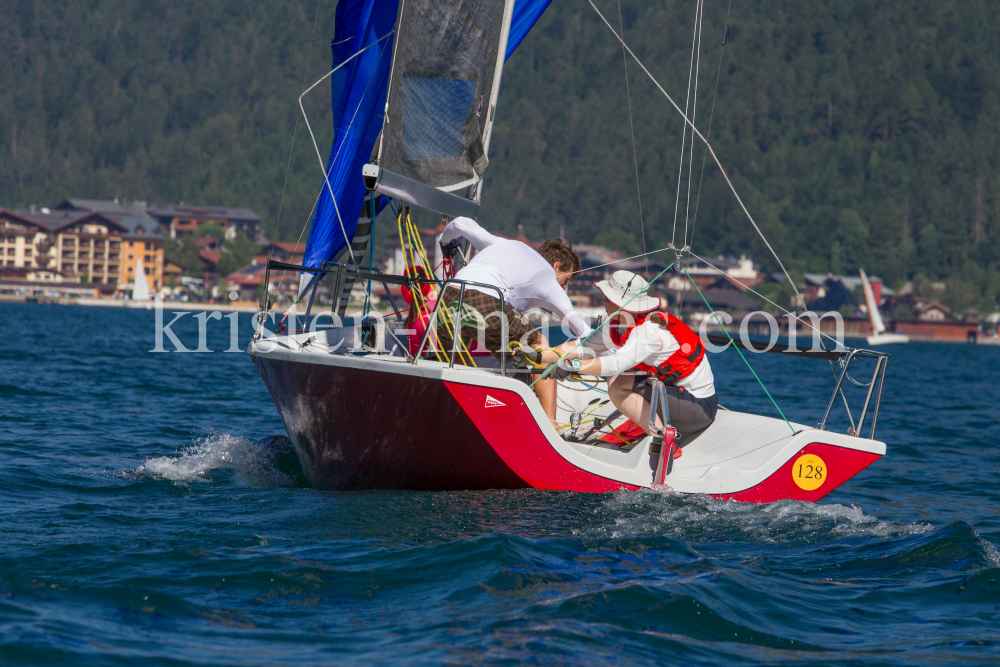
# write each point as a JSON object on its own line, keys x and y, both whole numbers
{"x": 678, "y": 365}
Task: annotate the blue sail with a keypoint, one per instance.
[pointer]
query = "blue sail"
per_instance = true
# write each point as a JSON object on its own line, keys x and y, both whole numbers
{"x": 358, "y": 91}
{"x": 526, "y": 13}
{"x": 358, "y": 99}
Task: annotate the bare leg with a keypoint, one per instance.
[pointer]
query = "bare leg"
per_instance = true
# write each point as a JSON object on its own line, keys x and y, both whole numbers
{"x": 546, "y": 392}
{"x": 545, "y": 389}
{"x": 631, "y": 404}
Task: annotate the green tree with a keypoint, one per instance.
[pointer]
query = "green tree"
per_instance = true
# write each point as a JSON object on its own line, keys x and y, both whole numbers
{"x": 236, "y": 253}
{"x": 184, "y": 253}
{"x": 210, "y": 230}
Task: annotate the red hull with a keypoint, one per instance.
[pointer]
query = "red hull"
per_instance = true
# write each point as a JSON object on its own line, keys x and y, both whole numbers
{"x": 347, "y": 443}
{"x": 781, "y": 484}
{"x": 513, "y": 433}
{"x": 354, "y": 428}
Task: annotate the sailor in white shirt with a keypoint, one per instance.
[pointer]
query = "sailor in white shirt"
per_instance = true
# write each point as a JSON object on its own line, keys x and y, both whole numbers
{"x": 637, "y": 340}
{"x": 527, "y": 278}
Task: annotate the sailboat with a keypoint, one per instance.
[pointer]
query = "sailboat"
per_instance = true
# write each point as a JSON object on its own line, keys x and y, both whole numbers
{"x": 878, "y": 335}
{"x": 140, "y": 287}
{"x": 363, "y": 412}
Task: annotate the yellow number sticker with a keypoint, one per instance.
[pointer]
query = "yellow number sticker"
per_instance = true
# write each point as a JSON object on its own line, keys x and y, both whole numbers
{"x": 809, "y": 472}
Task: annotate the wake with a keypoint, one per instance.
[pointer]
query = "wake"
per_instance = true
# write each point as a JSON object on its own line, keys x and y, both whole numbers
{"x": 646, "y": 512}
{"x": 257, "y": 463}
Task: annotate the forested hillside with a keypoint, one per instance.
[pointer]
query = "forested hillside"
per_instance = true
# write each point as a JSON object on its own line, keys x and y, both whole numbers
{"x": 859, "y": 132}
{"x": 186, "y": 100}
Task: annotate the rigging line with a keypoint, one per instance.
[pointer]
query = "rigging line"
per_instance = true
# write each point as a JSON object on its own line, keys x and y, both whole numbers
{"x": 699, "y": 18}
{"x": 371, "y": 241}
{"x": 759, "y": 381}
{"x": 711, "y": 117}
{"x": 291, "y": 148}
{"x": 350, "y": 252}
{"x": 715, "y": 157}
{"x": 836, "y": 344}
{"x": 573, "y": 273}
{"x": 388, "y": 85}
{"x": 305, "y": 73}
{"x": 687, "y": 105}
{"x": 299, "y": 240}
{"x": 666, "y": 26}
{"x": 631, "y": 129}
{"x": 367, "y": 85}
{"x": 627, "y": 259}
{"x": 326, "y": 176}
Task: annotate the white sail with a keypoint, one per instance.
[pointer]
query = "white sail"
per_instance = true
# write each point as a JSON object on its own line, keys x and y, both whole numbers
{"x": 140, "y": 288}
{"x": 873, "y": 312}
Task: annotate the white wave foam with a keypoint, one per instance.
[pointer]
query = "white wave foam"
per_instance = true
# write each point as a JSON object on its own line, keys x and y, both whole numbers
{"x": 645, "y": 512}
{"x": 253, "y": 462}
{"x": 990, "y": 551}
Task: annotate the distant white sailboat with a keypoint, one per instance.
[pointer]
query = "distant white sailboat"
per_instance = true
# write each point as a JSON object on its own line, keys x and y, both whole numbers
{"x": 878, "y": 335}
{"x": 140, "y": 288}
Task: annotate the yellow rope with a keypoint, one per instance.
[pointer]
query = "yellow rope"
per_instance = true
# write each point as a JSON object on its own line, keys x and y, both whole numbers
{"x": 517, "y": 344}
{"x": 409, "y": 260}
{"x": 449, "y": 321}
{"x": 414, "y": 255}
{"x": 410, "y": 270}
{"x": 416, "y": 242}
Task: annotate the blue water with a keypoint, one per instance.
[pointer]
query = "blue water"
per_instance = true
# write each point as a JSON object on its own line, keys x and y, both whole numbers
{"x": 152, "y": 514}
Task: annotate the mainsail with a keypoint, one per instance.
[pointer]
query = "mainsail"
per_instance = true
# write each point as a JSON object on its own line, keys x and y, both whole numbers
{"x": 442, "y": 92}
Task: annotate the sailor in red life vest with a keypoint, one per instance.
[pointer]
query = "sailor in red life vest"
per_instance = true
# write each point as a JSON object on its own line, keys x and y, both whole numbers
{"x": 639, "y": 338}
{"x": 420, "y": 308}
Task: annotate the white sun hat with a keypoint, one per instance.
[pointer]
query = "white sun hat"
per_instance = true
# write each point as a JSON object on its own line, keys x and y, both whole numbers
{"x": 628, "y": 291}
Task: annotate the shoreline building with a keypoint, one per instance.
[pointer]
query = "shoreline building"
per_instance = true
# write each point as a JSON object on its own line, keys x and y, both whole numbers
{"x": 175, "y": 221}
{"x": 179, "y": 220}
{"x": 71, "y": 248}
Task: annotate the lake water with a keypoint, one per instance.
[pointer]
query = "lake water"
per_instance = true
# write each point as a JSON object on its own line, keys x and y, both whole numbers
{"x": 152, "y": 513}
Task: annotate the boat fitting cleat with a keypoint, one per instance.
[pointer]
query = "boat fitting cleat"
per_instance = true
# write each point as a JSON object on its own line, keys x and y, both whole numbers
{"x": 574, "y": 422}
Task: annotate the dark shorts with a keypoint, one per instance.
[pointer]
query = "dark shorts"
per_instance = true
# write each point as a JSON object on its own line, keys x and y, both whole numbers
{"x": 687, "y": 414}
{"x": 476, "y": 308}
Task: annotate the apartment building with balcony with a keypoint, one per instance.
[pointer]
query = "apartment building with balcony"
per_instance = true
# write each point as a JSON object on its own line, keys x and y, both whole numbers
{"x": 39, "y": 246}
{"x": 148, "y": 248}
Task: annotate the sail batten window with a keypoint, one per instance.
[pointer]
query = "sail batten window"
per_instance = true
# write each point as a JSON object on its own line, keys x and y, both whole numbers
{"x": 435, "y": 111}
{"x": 438, "y": 115}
